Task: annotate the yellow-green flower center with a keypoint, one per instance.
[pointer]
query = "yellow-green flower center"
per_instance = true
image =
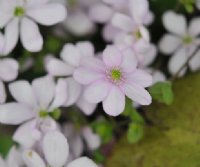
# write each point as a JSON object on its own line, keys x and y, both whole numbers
{"x": 187, "y": 39}
{"x": 116, "y": 74}
{"x": 137, "y": 35}
{"x": 19, "y": 11}
{"x": 55, "y": 114}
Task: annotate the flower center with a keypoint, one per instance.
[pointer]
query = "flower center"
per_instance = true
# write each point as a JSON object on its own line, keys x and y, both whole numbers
{"x": 55, "y": 114}
{"x": 19, "y": 11}
{"x": 187, "y": 39}
{"x": 137, "y": 35}
{"x": 43, "y": 114}
{"x": 116, "y": 74}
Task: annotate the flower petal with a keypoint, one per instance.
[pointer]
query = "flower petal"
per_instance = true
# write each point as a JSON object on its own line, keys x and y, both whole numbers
{"x": 150, "y": 55}
{"x": 31, "y": 158}
{"x": 14, "y": 113}
{"x": 26, "y": 96}
{"x": 86, "y": 107}
{"x": 8, "y": 69}
{"x": 48, "y": 14}
{"x": 141, "y": 78}
{"x": 193, "y": 27}
{"x": 84, "y": 161}
{"x": 6, "y": 14}
{"x": 24, "y": 135}
{"x": 56, "y": 149}
{"x": 44, "y": 89}
{"x": 11, "y": 36}
{"x": 56, "y": 67}
{"x": 71, "y": 55}
{"x": 30, "y": 35}
{"x": 2, "y": 163}
{"x": 97, "y": 91}
{"x": 123, "y": 22}
{"x": 169, "y": 43}
{"x": 129, "y": 60}
{"x": 93, "y": 140}
{"x": 2, "y": 92}
{"x": 74, "y": 90}
{"x": 169, "y": 18}
{"x": 86, "y": 48}
{"x": 137, "y": 93}
{"x": 195, "y": 62}
{"x": 112, "y": 56}
{"x": 177, "y": 60}
{"x": 61, "y": 94}
{"x": 114, "y": 103}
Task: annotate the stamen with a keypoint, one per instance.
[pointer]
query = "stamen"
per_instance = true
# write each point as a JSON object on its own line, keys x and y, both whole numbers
{"x": 19, "y": 11}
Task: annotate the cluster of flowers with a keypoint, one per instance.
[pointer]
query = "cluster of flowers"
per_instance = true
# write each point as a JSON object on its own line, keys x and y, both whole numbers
{"x": 81, "y": 77}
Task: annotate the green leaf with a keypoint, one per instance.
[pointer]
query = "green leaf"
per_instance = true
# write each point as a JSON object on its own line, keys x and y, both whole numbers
{"x": 131, "y": 112}
{"x": 135, "y": 132}
{"x": 104, "y": 129}
{"x": 6, "y": 143}
{"x": 98, "y": 156}
{"x": 162, "y": 92}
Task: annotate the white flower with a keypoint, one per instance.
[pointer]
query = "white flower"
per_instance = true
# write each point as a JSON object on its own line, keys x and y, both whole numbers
{"x": 198, "y": 4}
{"x": 8, "y": 72}
{"x": 71, "y": 57}
{"x": 56, "y": 151}
{"x": 181, "y": 42}
{"x": 34, "y": 104}
{"x": 19, "y": 17}
{"x": 77, "y": 138}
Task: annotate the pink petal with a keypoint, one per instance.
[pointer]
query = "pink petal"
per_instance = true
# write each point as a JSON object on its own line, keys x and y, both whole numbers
{"x": 112, "y": 56}
{"x": 114, "y": 103}
{"x": 86, "y": 49}
{"x": 97, "y": 91}
{"x": 137, "y": 93}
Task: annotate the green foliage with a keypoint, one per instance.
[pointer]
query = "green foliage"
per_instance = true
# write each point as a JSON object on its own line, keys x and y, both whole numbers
{"x": 135, "y": 132}
{"x": 98, "y": 156}
{"x": 162, "y": 92}
{"x": 104, "y": 129}
{"x": 5, "y": 144}
{"x": 188, "y": 4}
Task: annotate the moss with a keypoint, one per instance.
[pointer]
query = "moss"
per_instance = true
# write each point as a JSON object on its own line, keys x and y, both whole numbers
{"x": 173, "y": 139}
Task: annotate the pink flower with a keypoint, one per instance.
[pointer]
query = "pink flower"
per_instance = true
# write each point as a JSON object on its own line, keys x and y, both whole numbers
{"x": 113, "y": 78}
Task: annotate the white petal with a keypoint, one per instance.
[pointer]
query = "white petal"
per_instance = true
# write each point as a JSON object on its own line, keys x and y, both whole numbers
{"x": 2, "y": 162}
{"x": 5, "y": 15}
{"x": 14, "y": 158}
{"x": 74, "y": 91}
{"x": 56, "y": 149}
{"x": 86, "y": 107}
{"x": 129, "y": 60}
{"x": 2, "y": 92}
{"x": 48, "y": 14}
{"x": 93, "y": 141}
{"x": 44, "y": 89}
{"x": 76, "y": 144}
{"x": 36, "y": 3}
{"x": 97, "y": 91}
{"x": 14, "y": 113}
{"x": 194, "y": 27}
{"x": 84, "y": 161}
{"x": 24, "y": 135}
{"x": 56, "y": 67}
{"x": 112, "y": 56}
{"x": 11, "y": 36}
{"x": 8, "y": 69}
{"x": 169, "y": 44}
{"x": 114, "y": 103}
{"x": 30, "y": 35}
{"x": 170, "y": 18}
{"x": 101, "y": 13}
{"x": 123, "y": 22}
{"x": 150, "y": 55}
{"x": 61, "y": 94}
{"x": 139, "y": 9}
{"x": 23, "y": 93}
{"x": 79, "y": 24}
{"x": 137, "y": 93}
{"x": 32, "y": 159}
{"x": 86, "y": 49}
{"x": 177, "y": 60}
{"x": 195, "y": 62}
{"x": 71, "y": 54}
